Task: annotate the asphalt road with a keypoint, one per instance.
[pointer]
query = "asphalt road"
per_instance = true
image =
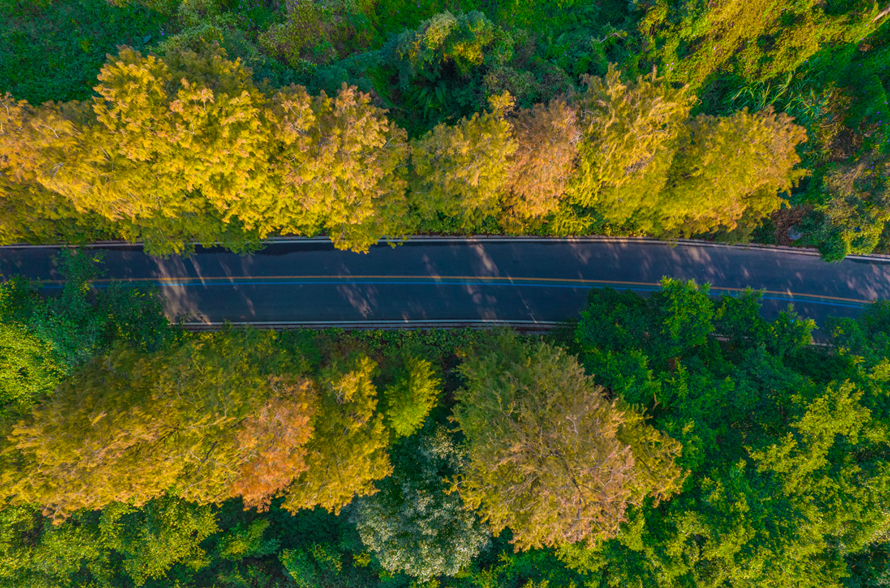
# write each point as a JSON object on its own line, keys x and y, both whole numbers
{"x": 462, "y": 281}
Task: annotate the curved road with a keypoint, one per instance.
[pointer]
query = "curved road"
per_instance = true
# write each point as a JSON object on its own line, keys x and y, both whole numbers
{"x": 461, "y": 281}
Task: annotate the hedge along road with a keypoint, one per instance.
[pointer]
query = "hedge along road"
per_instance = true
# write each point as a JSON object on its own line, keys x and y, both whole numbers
{"x": 431, "y": 281}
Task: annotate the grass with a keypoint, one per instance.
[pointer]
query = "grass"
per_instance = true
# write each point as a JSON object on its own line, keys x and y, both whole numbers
{"x": 56, "y": 52}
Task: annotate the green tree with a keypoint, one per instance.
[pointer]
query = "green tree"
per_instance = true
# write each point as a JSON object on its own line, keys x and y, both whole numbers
{"x": 151, "y": 539}
{"x": 461, "y": 171}
{"x": 436, "y": 71}
{"x": 247, "y": 540}
{"x": 783, "y": 441}
{"x": 411, "y": 397}
{"x": 857, "y": 207}
{"x": 44, "y": 338}
{"x": 757, "y": 39}
{"x": 413, "y": 525}
{"x": 121, "y": 546}
{"x": 348, "y": 451}
{"x": 28, "y": 367}
{"x": 550, "y": 456}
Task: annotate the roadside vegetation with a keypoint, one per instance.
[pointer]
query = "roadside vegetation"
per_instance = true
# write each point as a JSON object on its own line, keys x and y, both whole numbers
{"x": 225, "y": 121}
{"x": 674, "y": 440}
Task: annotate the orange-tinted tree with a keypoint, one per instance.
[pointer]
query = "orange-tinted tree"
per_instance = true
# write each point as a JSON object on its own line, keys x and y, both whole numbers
{"x": 348, "y": 451}
{"x": 274, "y": 441}
{"x": 547, "y": 147}
{"x": 194, "y": 421}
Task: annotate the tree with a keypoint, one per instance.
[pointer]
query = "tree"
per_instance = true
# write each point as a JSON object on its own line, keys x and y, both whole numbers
{"x": 461, "y": 171}
{"x": 437, "y": 70}
{"x": 176, "y": 138}
{"x": 413, "y": 525}
{"x": 630, "y": 132}
{"x": 550, "y": 456}
{"x": 411, "y": 397}
{"x": 275, "y": 438}
{"x": 45, "y": 338}
{"x": 337, "y": 163}
{"x": 120, "y": 546}
{"x": 782, "y": 439}
{"x": 857, "y": 207}
{"x": 28, "y": 367}
{"x": 348, "y": 451}
{"x": 39, "y": 148}
{"x": 730, "y": 170}
{"x": 547, "y": 147}
{"x": 164, "y": 532}
{"x": 129, "y": 427}
{"x": 756, "y": 39}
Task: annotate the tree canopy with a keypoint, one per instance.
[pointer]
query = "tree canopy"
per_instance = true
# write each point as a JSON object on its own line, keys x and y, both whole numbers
{"x": 550, "y": 456}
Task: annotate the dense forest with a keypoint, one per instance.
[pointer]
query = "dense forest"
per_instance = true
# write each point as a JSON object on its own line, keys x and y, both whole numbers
{"x": 675, "y": 440}
{"x": 226, "y": 121}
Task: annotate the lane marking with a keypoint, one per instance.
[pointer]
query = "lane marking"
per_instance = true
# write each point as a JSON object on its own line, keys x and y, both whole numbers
{"x": 572, "y": 283}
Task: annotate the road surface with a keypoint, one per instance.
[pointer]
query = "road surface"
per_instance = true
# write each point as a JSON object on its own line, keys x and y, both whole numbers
{"x": 462, "y": 281}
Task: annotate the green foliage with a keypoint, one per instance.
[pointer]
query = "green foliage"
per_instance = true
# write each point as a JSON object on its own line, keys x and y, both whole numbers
{"x": 28, "y": 367}
{"x": 316, "y": 566}
{"x": 153, "y": 538}
{"x": 44, "y": 339}
{"x": 246, "y": 540}
{"x": 783, "y": 440}
{"x": 758, "y": 39}
{"x": 55, "y": 51}
{"x": 120, "y": 546}
{"x": 413, "y": 525}
{"x": 317, "y": 33}
{"x": 856, "y": 208}
{"x": 438, "y": 66}
{"x": 408, "y": 400}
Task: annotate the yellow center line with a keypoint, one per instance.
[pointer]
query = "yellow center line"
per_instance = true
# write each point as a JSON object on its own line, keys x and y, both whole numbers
{"x": 436, "y": 278}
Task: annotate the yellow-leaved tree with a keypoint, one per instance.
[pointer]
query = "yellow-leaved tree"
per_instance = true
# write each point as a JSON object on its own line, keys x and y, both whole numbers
{"x": 40, "y": 151}
{"x": 461, "y": 171}
{"x": 338, "y": 165}
{"x": 630, "y": 132}
{"x": 730, "y": 170}
{"x": 203, "y": 421}
{"x": 348, "y": 451}
{"x": 178, "y": 148}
